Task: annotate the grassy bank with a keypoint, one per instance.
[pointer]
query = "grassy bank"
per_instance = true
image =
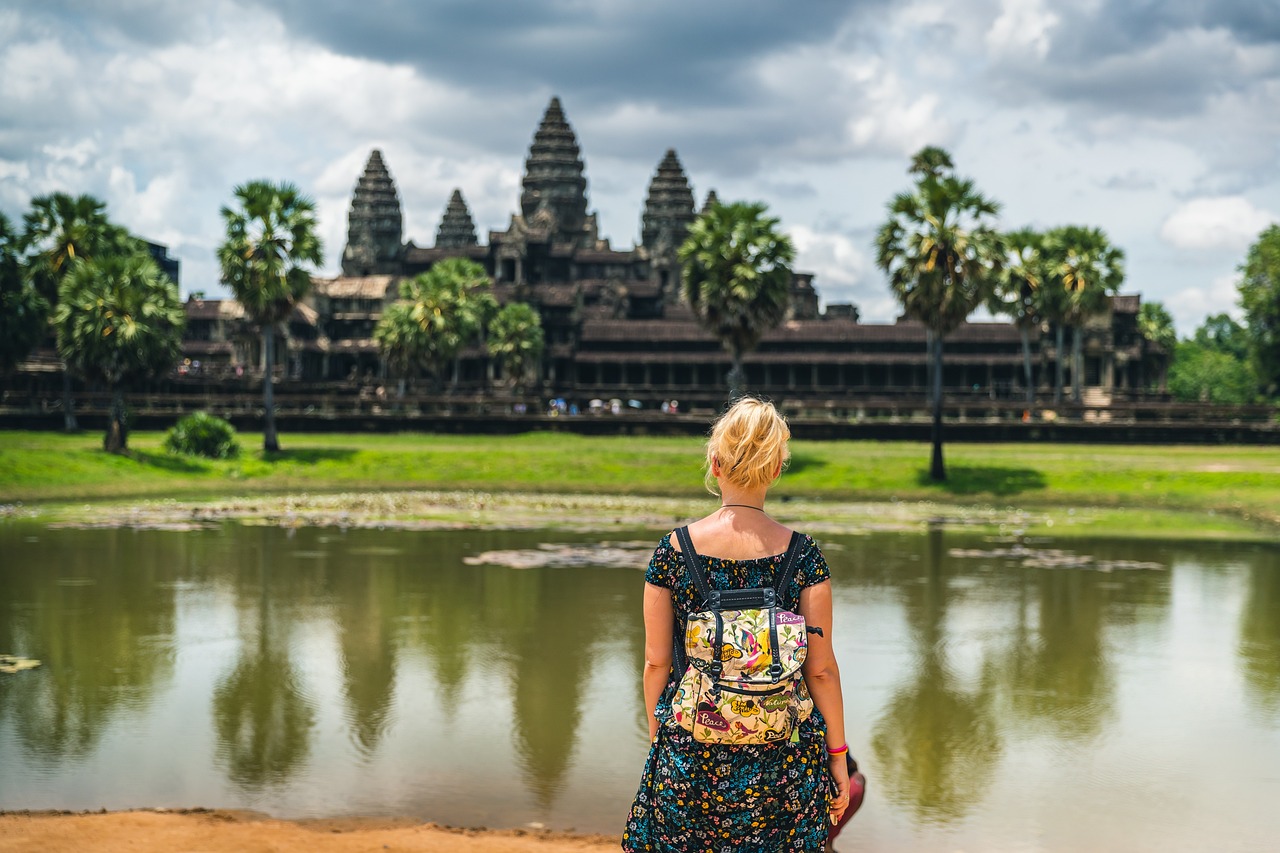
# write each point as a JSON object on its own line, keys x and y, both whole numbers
{"x": 1228, "y": 489}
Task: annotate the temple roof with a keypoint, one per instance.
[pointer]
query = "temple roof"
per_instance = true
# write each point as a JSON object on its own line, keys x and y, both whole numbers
{"x": 419, "y": 255}
{"x": 1126, "y": 304}
{"x": 712, "y": 198}
{"x": 669, "y": 208}
{"x": 840, "y": 330}
{"x": 354, "y": 287}
{"x": 374, "y": 223}
{"x": 212, "y": 309}
{"x": 457, "y": 230}
{"x": 553, "y": 177}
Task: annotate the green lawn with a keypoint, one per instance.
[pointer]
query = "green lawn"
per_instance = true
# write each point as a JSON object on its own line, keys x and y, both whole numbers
{"x": 1165, "y": 485}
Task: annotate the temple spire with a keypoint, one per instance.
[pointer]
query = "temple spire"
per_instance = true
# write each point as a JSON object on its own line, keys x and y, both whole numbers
{"x": 668, "y": 210}
{"x": 554, "y": 185}
{"x": 712, "y": 198}
{"x": 374, "y": 223}
{"x": 457, "y": 230}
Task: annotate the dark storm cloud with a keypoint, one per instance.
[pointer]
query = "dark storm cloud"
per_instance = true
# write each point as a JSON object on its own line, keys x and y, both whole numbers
{"x": 1151, "y": 57}
{"x": 153, "y": 22}
{"x": 677, "y": 51}
{"x": 1126, "y": 24}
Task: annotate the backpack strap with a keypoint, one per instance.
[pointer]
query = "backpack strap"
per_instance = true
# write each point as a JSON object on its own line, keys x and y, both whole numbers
{"x": 789, "y": 565}
{"x": 694, "y": 563}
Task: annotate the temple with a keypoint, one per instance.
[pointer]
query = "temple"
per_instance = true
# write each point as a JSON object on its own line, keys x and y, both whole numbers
{"x": 613, "y": 318}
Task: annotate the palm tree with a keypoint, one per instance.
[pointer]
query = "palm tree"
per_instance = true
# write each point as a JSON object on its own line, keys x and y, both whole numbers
{"x": 449, "y": 305}
{"x": 941, "y": 253}
{"x": 401, "y": 342}
{"x": 59, "y": 231}
{"x": 1155, "y": 324}
{"x": 737, "y": 277}
{"x": 119, "y": 320}
{"x": 271, "y": 238}
{"x": 516, "y": 339}
{"x": 476, "y": 304}
{"x": 1089, "y": 269}
{"x": 23, "y": 311}
{"x": 1017, "y": 293}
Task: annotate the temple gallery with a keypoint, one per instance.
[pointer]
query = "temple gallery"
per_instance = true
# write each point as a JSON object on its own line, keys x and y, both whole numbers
{"x": 613, "y": 319}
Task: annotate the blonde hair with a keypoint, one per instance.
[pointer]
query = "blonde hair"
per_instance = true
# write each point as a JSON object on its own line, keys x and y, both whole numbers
{"x": 749, "y": 443}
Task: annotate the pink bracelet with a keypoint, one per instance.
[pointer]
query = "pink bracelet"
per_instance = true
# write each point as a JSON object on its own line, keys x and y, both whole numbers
{"x": 838, "y": 750}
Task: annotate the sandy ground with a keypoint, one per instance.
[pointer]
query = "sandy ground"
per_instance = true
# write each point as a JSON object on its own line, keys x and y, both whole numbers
{"x": 203, "y": 831}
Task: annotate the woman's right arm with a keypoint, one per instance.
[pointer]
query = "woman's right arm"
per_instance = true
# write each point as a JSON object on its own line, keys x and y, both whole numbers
{"x": 659, "y": 628}
{"x": 822, "y": 677}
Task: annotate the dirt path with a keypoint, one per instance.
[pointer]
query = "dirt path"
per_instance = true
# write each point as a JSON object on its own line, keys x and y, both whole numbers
{"x": 201, "y": 831}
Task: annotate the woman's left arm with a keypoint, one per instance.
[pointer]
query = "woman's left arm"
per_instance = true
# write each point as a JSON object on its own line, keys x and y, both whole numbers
{"x": 659, "y": 629}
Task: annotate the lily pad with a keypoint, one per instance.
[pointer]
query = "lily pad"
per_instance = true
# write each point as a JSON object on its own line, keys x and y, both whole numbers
{"x": 10, "y": 664}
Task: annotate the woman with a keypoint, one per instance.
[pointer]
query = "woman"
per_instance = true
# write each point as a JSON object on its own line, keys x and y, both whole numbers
{"x": 712, "y": 797}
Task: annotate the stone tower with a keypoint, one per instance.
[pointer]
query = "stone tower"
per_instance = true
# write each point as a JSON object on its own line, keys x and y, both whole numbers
{"x": 668, "y": 211}
{"x": 457, "y": 230}
{"x": 712, "y": 198}
{"x": 554, "y": 190}
{"x": 374, "y": 224}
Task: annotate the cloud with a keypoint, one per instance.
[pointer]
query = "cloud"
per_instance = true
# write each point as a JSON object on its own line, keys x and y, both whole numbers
{"x": 1106, "y": 112}
{"x": 1023, "y": 28}
{"x": 1227, "y": 222}
{"x": 844, "y": 271}
{"x": 672, "y": 51}
{"x": 1190, "y": 305}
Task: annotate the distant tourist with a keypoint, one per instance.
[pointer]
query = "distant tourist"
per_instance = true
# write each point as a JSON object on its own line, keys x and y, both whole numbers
{"x": 736, "y": 771}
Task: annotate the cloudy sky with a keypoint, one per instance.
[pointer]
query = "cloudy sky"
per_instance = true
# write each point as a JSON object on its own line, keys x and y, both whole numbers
{"x": 1158, "y": 120}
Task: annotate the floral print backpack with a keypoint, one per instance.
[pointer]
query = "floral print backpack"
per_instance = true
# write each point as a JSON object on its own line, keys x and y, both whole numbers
{"x": 742, "y": 684}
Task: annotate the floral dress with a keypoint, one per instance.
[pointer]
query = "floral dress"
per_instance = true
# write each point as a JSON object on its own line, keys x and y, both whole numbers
{"x": 718, "y": 798}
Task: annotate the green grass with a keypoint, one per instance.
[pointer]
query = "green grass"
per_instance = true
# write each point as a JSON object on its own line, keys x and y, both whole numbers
{"x": 1170, "y": 484}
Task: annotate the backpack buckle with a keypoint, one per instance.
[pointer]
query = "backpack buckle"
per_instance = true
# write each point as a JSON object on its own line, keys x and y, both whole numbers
{"x": 775, "y": 671}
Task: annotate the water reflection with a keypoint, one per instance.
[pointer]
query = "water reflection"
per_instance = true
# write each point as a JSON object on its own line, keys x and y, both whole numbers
{"x": 262, "y": 715}
{"x": 1055, "y": 673}
{"x": 325, "y": 672}
{"x": 547, "y": 625}
{"x": 103, "y": 629}
{"x": 936, "y": 741}
{"x": 367, "y": 606}
{"x": 1259, "y": 651}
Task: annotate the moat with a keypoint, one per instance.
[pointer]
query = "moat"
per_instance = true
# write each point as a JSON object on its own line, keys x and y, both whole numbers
{"x": 1001, "y": 694}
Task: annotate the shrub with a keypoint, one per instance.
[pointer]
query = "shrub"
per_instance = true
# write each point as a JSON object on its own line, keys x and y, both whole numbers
{"x": 202, "y": 434}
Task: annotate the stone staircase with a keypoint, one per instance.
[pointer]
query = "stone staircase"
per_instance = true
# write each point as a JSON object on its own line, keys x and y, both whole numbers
{"x": 1097, "y": 400}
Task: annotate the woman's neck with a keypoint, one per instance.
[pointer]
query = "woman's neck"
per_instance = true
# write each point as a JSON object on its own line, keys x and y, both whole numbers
{"x": 743, "y": 498}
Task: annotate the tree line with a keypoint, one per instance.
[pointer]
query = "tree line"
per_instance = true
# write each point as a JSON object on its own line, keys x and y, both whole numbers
{"x": 945, "y": 257}
{"x": 117, "y": 319}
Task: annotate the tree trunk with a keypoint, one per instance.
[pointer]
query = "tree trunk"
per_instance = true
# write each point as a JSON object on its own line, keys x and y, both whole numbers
{"x": 1026, "y": 369}
{"x": 736, "y": 379}
{"x": 937, "y": 468}
{"x": 1057, "y": 363}
{"x": 117, "y": 437}
{"x": 270, "y": 442}
{"x": 68, "y": 404}
{"x": 928, "y": 366}
{"x": 1077, "y": 364}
